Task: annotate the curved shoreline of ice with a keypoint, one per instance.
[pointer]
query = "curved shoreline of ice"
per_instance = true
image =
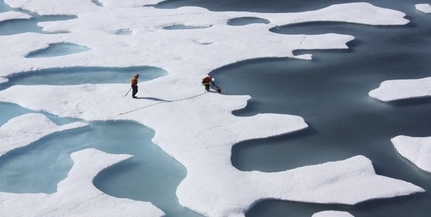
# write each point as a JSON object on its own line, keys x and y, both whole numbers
{"x": 25, "y": 129}
{"x": 76, "y": 195}
{"x": 100, "y": 37}
{"x": 331, "y": 213}
{"x": 77, "y": 190}
{"x": 197, "y": 129}
{"x": 208, "y": 160}
{"x": 391, "y": 90}
{"x": 13, "y": 15}
{"x": 415, "y": 149}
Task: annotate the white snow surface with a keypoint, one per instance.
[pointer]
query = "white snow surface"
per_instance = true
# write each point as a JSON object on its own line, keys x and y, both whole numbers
{"x": 391, "y": 90}
{"x": 332, "y": 213}
{"x": 197, "y": 129}
{"x": 426, "y": 8}
{"x": 12, "y": 15}
{"x": 416, "y": 149}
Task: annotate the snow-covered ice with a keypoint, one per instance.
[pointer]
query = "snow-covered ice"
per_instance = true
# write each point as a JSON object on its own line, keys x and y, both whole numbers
{"x": 426, "y": 8}
{"x": 331, "y": 213}
{"x": 402, "y": 89}
{"x": 415, "y": 149}
{"x": 13, "y": 15}
{"x": 197, "y": 129}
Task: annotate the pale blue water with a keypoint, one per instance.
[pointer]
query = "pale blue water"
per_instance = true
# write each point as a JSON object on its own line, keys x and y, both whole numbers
{"x": 59, "y": 49}
{"x": 330, "y": 93}
{"x": 84, "y": 75}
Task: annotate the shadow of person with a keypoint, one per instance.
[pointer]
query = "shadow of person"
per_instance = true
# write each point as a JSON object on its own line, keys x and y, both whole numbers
{"x": 154, "y": 99}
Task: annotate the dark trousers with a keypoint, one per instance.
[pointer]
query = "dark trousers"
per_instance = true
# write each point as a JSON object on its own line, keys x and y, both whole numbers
{"x": 134, "y": 90}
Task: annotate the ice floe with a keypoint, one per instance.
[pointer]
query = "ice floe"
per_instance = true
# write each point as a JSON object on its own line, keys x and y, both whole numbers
{"x": 426, "y": 8}
{"x": 13, "y": 15}
{"x": 198, "y": 129}
{"x": 331, "y": 213}
{"x": 402, "y": 89}
{"x": 415, "y": 149}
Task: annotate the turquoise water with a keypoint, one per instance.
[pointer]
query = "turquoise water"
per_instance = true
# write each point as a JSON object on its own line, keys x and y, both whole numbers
{"x": 151, "y": 175}
{"x": 58, "y": 49}
{"x": 83, "y": 75}
{"x": 330, "y": 93}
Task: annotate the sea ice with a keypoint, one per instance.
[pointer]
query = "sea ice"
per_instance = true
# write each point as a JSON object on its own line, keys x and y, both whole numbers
{"x": 210, "y": 174}
{"x": 331, "y": 213}
{"x": 415, "y": 149}
{"x": 426, "y": 8}
{"x": 402, "y": 89}
{"x": 198, "y": 129}
{"x": 13, "y": 15}
{"x": 76, "y": 195}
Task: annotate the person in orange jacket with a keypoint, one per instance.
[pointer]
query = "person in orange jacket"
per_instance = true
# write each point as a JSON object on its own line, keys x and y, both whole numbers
{"x": 134, "y": 84}
{"x": 207, "y": 81}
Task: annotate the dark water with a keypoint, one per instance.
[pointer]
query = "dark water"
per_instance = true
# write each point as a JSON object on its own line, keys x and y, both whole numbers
{"x": 330, "y": 93}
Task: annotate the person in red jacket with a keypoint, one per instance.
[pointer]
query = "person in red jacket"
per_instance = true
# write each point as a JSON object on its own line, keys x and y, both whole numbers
{"x": 207, "y": 81}
{"x": 134, "y": 83}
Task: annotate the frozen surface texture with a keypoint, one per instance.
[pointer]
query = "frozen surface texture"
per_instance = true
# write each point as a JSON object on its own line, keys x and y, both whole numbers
{"x": 402, "y": 89}
{"x": 415, "y": 149}
{"x": 76, "y": 195}
{"x": 426, "y": 8}
{"x": 13, "y": 15}
{"x": 198, "y": 129}
{"x": 331, "y": 213}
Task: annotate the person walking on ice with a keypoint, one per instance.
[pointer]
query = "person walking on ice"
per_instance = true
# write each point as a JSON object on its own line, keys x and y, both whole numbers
{"x": 207, "y": 81}
{"x": 134, "y": 83}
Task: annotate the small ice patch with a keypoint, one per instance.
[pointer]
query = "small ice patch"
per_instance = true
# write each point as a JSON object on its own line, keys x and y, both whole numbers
{"x": 415, "y": 149}
{"x": 12, "y": 15}
{"x": 426, "y": 8}
{"x": 331, "y": 213}
{"x": 402, "y": 89}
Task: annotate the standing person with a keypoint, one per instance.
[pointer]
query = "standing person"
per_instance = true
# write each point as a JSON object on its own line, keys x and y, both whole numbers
{"x": 134, "y": 83}
{"x": 207, "y": 81}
